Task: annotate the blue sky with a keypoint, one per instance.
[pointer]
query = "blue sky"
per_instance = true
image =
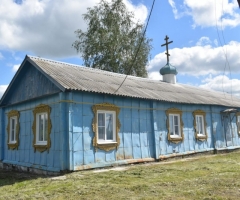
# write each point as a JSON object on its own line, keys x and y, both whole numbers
{"x": 204, "y": 34}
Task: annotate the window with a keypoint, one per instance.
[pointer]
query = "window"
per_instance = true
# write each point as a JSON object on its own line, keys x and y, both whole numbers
{"x": 13, "y": 129}
{"x": 200, "y": 125}
{"x": 106, "y": 126}
{"x": 238, "y": 122}
{"x": 41, "y": 128}
{"x": 174, "y": 125}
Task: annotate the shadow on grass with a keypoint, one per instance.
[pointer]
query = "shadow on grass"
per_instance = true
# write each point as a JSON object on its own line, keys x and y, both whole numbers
{"x": 8, "y": 177}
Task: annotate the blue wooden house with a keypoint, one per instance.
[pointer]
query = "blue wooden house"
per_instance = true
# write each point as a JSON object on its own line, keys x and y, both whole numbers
{"x": 56, "y": 116}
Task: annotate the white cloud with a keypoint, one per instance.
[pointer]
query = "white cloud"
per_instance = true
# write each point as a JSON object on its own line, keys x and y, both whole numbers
{"x": 15, "y": 68}
{"x": 223, "y": 84}
{"x": 203, "y": 41}
{"x": 200, "y": 60}
{"x": 140, "y": 11}
{"x": 155, "y": 75}
{"x": 45, "y": 27}
{"x": 175, "y": 10}
{"x": 206, "y": 13}
{"x": 2, "y": 89}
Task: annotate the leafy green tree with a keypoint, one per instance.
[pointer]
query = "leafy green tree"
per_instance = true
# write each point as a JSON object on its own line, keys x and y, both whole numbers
{"x": 112, "y": 40}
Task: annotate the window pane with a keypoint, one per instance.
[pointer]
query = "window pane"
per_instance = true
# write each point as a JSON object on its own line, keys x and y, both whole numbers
{"x": 176, "y": 130}
{"x": 175, "y": 120}
{"x": 101, "y": 133}
{"x": 238, "y": 118}
{"x": 109, "y": 126}
{"x": 12, "y": 129}
{"x": 40, "y": 127}
{"x": 171, "y": 124}
{"x": 197, "y": 124}
{"x": 45, "y": 127}
{"x": 200, "y": 125}
{"x": 101, "y": 126}
{"x": 101, "y": 119}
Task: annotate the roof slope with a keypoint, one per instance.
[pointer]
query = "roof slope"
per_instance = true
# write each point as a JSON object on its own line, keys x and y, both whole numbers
{"x": 73, "y": 77}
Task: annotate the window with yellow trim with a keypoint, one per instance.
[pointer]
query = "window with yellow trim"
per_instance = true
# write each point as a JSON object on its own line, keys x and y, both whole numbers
{"x": 42, "y": 128}
{"x": 106, "y": 126}
{"x": 174, "y": 125}
{"x": 200, "y": 125}
{"x": 13, "y": 129}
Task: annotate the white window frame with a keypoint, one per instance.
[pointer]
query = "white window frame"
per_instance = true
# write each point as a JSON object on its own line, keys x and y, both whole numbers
{"x": 198, "y": 125}
{"x": 103, "y": 141}
{"x": 106, "y": 145}
{"x": 171, "y": 113}
{"x": 174, "y": 135}
{"x": 13, "y": 117}
{"x": 13, "y": 129}
{"x": 45, "y": 131}
{"x": 202, "y": 115}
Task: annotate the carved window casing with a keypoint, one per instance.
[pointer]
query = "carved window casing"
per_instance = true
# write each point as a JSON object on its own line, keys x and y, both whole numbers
{"x": 13, "y": 128}
{"x": 42, "y": 128}
{"x": 174, "y": 125}
{"x": 200, "y": 125}
{"x": 106, "y": 126}
{"x": 238, "y": 122}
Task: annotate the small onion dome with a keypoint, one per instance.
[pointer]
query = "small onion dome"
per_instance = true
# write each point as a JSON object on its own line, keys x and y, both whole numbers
{"x": 168, "y": 69}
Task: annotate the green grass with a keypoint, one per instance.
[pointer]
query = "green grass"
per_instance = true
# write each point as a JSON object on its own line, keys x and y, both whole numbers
{"x": 203, "y": 177}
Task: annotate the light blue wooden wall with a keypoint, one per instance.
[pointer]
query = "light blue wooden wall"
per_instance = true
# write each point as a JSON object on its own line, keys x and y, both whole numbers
{"x": 219, "y": 136}
{"x": 143, "y": 130}
{"x": 1, "y": 133}
{"x": 143, "y": 133}
{"x": 189, "y": 144}
{"x": 136, "y": 133}
{"x": 25, "y": 155}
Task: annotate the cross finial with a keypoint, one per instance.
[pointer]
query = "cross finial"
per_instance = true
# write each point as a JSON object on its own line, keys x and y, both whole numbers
{"x": 166, "y": 44}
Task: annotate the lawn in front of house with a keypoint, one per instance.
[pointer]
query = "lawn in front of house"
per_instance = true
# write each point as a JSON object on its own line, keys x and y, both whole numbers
{"x": 202, "y": 177}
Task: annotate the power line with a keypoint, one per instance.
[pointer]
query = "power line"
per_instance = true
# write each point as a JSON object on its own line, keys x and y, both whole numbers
{"x": 227, "y": 62}
{"x": 224, "y": 51}
{"x": 138, "y": 47}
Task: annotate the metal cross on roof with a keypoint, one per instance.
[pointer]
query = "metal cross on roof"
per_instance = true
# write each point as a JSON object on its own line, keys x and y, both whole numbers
{"x": 166, "y": 44}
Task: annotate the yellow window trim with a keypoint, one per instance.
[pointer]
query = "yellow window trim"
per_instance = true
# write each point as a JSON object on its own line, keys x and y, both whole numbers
{"x": 40, "y": 109}
{"x": 178, "y": 112}
{"x": 197, "y": 136}
{"x": 13, "y": 113}
{"x": 111, "y": 145}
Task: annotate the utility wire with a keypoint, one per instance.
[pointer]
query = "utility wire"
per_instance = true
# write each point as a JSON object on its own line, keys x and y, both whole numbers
{"x": 224, "y": 51}
{"x": 227, "y": 62}
{"x": 138, "y": 47}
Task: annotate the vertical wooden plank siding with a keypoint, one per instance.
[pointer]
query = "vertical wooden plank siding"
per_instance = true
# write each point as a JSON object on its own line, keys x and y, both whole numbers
{"x": 143, "y": 132}
{"x": 30, "y": 84}
{"x": 1, "y": 133}
{"x": 63, "y": 132}
{"x": 25, "y": 155}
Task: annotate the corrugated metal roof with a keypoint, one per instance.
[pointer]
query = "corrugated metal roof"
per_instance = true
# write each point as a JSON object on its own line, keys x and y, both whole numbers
{"x": 73, "y": 77}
